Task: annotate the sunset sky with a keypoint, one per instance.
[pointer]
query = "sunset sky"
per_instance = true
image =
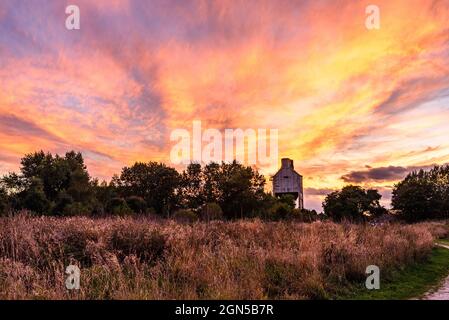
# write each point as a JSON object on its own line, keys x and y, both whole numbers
{"x": 352, "y": 105}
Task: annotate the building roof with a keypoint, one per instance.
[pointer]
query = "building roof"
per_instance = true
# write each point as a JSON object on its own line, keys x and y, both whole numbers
{"x": 287, "y": 164}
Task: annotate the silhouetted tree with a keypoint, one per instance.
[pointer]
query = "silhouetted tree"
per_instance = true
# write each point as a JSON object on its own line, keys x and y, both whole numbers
{"x": 423, "y": 194}
{"x": 48, "y": 183}
{"x": 137, "y": 204}
{"x": 192, "y": 188}
{"x": 34, "y": 198}
{"x": 352, "y": 203}
{"x": 154, "y": 182}
{"x": 239, "y": 190}
{"x": 4, "y": 201}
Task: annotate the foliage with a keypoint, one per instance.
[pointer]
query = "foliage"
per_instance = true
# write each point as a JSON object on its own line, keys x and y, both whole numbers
{"x": 60, "y": 186}
{"x": 4, "y": 203}
{"x": 353, "y": 203}
{"x": 280, "y": 210}
{"x": 154, "y": 182}
{"x": 34, "y": 198}
{"x": 63, "y": 201}
{"x": 237, "y": 189}
{"x": 423, "y": 194}
{"x": 118, "y": 207}
{"x": 48, "y": 183}
{"x": 185, "y": 215}
{"x": 137, "y": 204}
{"x": 211, "y": 211}
{"x": 305, "y": 215}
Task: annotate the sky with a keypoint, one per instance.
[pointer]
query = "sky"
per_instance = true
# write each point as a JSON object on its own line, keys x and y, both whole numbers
{"x": 351, "y": 105}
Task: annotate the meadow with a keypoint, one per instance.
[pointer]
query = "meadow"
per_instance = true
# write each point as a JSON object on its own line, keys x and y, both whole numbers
{"x": 144, "y": 258}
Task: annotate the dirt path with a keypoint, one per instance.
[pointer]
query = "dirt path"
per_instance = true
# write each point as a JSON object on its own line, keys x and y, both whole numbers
{"x": 441, "y": 293}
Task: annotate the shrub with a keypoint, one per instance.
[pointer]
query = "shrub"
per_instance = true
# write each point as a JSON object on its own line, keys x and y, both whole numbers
{"x": 97, "y": 208}
{"x": 288, "y": 199}
{"x": 352, "y": 203}
{"x": 35, "y": 199}
{"x": 63, "y": 201}
{"x": 211, "y": 211}
{"x": 4, "y": 203}
{"x": 137, "y": 204}
{"x": 280, "y": 210}
{"x": 305, "y": 215}
{"x": 118, "y": 207}
{"x": 423, "y": 195}
{"x": 75, "y": 209}
{"x": 185, "y": 215}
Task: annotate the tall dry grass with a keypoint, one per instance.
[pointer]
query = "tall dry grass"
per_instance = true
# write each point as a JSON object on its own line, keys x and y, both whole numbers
{"x": 144, "y": 259}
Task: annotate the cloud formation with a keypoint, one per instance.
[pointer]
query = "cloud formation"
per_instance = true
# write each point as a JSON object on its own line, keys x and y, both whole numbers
{"x": 382, "y": 174}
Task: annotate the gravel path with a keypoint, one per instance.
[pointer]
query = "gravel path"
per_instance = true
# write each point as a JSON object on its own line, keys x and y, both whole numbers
{"x": 442, "y": 293}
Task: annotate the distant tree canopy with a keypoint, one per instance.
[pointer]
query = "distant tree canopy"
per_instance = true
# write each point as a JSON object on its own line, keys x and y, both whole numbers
{"x": 423, "y": 194}
{"x": 237, "y": 189}
{"x": 353, "y": 203}
{"x": 48, "y": 182}
{"x": 62, "y": 186}
{"x": 153, "y": 182}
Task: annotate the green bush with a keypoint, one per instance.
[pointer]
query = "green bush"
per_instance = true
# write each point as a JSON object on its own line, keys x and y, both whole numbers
{"x": 137, "y": 204}
{"x": 211, "y": 211}
{"x": 4, "y": 203}
{"x": 118, "y": 207}
{"x": 97, "y": 208}
{"x": 353, "y": 203}
{"x": 62, "y": 202}
{"x": 185, "y": 215}
{"x": 280, "y": 211}
{"x": 305, "y": 215}
{"x": 35, "y": 199}
{"x": 423, "y": 195}
{"x": 75, "y": 209}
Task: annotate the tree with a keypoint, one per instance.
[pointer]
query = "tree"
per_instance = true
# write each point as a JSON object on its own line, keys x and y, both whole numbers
{"x": 137, "y": 204}
{"x": 192, "y": 186}
{"x": 154, "y": 182}
{"x": 34, "y": 198}
{"x": 239, "y": 190}
{"x": 56, "y": 182}
{"x": 118, "y": 207}
{"x": 63, "y": 202}
{"x": 353, "y": 203}
{"x": 211, "y": 211}
{"x": 4, "y": 201}
{"x": 423, "y": 194}
{"x": 58, "y": 174}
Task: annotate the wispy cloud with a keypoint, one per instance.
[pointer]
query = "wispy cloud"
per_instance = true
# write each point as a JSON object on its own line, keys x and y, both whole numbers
{"x": 382, "y": 174}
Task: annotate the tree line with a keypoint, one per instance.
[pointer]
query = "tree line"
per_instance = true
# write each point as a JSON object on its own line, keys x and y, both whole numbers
{"x": 422, "y": 195}
{"x": 61, "y": 186}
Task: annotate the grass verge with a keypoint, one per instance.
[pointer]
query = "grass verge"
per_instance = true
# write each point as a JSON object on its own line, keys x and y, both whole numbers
{"x": 444, "y": 241}
{"x": 412, "y": 282}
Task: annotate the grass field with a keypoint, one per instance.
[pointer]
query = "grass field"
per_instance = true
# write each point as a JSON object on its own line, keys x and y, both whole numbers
{"x": 135, "y": 258}
{"x": 411, "y": 282}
